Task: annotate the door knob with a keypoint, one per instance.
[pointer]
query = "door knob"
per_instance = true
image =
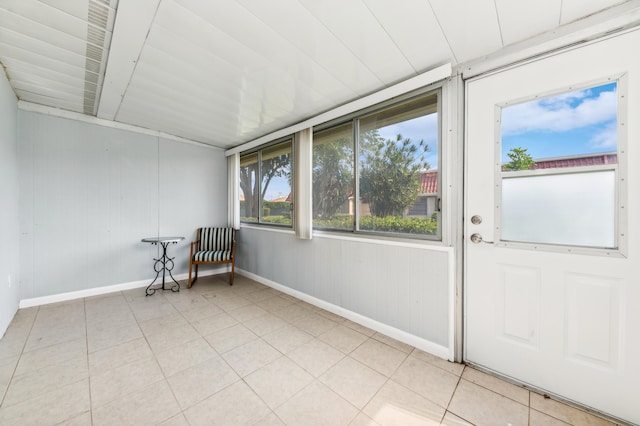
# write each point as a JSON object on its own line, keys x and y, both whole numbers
{"x": 477, "y": 239}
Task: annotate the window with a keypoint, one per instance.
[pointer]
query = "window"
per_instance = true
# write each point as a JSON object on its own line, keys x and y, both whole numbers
{"x": 395, "y": 187}
{"x": 265, "y": 184}
{"x": 333, "y": 178}
{"x": 559, "y": 170}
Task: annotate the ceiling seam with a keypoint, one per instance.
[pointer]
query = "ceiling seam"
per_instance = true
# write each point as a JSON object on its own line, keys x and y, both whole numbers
{"x": 27, "y": 18}
{"x": 495, "y": 8}
{"x": 345, "y": 46}
{"x": 25, "y": 36}
{"x": 444, "y": 34}
{"x": 135, "y": 66}
{"x": 305, "y": 53}
{"x": 258, "y": 53}
{"x": 390, "y": 37}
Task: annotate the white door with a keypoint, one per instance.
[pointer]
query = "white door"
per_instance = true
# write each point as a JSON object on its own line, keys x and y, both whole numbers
{"x": 552, "y": 292}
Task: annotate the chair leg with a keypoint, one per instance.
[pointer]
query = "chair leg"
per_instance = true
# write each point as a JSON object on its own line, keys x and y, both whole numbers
{"x": 189, "y": 281}
{"x": 196, "y": 277}
{"x": 231, "y": 275}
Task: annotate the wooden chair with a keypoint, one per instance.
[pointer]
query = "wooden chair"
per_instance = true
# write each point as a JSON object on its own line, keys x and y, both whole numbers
{"x": 213, "y": 246}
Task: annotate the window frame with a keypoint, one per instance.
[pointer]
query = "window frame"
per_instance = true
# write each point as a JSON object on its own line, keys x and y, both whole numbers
{"x": 354, "y": 118}
{"x": 620, "y": 169}
{"x": 258, "y": 151}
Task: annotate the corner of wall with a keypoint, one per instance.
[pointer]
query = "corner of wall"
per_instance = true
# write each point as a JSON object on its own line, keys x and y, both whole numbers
{"x": 9, "y": 214}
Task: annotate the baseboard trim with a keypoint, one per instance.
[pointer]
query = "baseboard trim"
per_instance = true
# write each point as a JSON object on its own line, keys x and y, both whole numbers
{"x": 97, "y": 291}
{"x": 400, "y": 335}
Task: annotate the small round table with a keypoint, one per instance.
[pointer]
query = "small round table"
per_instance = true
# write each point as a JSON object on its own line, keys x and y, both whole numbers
{"x": 163, "y": 264}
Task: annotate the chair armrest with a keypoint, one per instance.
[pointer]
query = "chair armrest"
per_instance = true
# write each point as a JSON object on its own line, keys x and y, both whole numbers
{"x": 193, "y": 244}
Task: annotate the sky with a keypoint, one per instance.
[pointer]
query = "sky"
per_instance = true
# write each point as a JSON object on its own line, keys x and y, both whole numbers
{"x": 421, "y": 128}
{"x": 573, "y": 123}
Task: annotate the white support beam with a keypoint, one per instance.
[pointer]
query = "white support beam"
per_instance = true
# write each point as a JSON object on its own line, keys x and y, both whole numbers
{"x": 133, "y": 22}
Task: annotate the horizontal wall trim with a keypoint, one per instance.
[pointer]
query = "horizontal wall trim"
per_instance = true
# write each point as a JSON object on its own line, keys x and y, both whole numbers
{"x": 367, "y": 239}
{"x": 425, "y": 245}
{"x": 436, "y": 74}
{"x": 267, "y": 228}
{"x": 97, "y": 291}
{"x": 400, "y": 335}
{"x": 71, "y": 115}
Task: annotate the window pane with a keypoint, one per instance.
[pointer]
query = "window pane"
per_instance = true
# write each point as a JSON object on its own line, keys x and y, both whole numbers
{"x": 249, "y": 190}
{"x": 573, "y": 129}
{"x": 276, "y": 184}
{"x": 571, "y": 208}
{"x": 398, "y": 160}
{"x": 333, "y": 191}
{"x": 551, "y": 136}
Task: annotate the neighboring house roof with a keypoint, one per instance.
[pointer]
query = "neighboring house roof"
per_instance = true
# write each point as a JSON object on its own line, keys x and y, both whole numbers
{"x": 429, "y": 182}
{"x": 281, "y": 199}
{"x": 577, "y": 160}
{"x": 429, "y": 179}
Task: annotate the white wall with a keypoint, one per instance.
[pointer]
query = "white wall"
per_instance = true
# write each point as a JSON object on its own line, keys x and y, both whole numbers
{"x": 9, "y": 234}
{"x": 89, "y": 194}
{"x": 402, "y": 288}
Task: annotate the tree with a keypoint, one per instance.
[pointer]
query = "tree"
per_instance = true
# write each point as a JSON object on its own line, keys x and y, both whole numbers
{"x": 332, "y": 177}
{"x": 390, "y": 173}
{"x": 520, "y": 160}
{"x": 250, "y": 183}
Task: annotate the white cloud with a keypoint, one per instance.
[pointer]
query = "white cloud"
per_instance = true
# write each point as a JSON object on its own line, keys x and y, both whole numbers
{"x": 559, "y": 113}
{"x": 607, "y": 138}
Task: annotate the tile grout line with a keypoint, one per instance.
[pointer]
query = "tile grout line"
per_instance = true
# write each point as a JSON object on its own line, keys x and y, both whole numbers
{"x": 86, "y": 341}
{"x": 24, "y": 345}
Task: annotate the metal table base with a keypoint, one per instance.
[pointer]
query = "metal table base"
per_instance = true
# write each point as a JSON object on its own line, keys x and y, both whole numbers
{"x": 163, "y": 264}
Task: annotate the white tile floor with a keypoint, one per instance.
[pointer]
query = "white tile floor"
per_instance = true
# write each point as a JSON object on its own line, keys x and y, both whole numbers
{"x": 238, "y": 355}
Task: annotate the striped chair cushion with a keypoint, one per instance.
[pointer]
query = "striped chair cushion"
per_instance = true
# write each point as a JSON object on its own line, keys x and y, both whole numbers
{"x": 216, "y": 239}
{"x": 212, "y": 256}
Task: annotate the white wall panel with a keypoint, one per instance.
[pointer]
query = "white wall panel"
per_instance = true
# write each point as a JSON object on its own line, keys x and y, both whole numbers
{"x": 403, "y": 287}
{"x": 193, "y": 194}
{"x": 9, "y": 213}
{"x": 89, "y": 194}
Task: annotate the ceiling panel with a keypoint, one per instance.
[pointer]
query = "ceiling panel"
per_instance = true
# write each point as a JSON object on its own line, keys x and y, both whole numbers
{"x": 414, "y": 28}
{"x": 9, "y": 52}
{"x": 358, "y": 29}
{"x": 226, "y": 72}
{"x": 255, "y": 46}
{"x": 62, "y": 53}
{"x": 471, "y": 27}
{"x": 58, "y": 72}
{"x": 311, "y": 38}
{"x": 521, "y": 20}
{"x": 60, "y": 35}
{"x": 41, "y": 24}
{"x": 576, "y": 9}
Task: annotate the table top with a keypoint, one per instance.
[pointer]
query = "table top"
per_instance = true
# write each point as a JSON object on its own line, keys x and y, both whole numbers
{"x": 162, "y": 239}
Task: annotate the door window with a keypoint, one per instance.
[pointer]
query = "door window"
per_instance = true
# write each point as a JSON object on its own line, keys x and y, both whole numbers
{"x": 558, "y": 169}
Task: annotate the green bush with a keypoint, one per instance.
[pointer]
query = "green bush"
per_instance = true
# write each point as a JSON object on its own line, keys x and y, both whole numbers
{"x": 280, "y": 220}
{"x": 398, "y": 224}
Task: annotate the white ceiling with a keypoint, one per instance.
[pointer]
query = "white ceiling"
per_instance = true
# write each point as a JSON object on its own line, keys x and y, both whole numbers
{"x": 225, "y": 72}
